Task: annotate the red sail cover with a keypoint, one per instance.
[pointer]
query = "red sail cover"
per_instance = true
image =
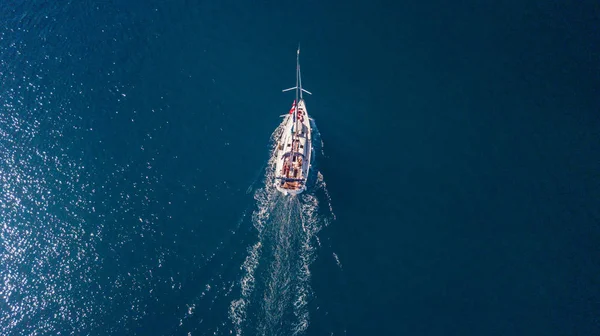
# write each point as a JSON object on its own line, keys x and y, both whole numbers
{"x": 293, "y": 107}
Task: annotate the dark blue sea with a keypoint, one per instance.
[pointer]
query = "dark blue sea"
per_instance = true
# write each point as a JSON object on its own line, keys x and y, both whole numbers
{"x": 455, "y": 187}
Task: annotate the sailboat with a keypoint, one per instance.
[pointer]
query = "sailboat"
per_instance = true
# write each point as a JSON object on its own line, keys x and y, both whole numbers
{"x": 294, "y": 146}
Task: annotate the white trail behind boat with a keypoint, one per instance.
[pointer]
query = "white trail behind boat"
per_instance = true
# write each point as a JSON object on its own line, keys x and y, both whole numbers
{"x": 274, "y": 288}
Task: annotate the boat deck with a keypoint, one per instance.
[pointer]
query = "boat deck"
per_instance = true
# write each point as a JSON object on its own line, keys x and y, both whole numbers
{"x": 293, "y": 155}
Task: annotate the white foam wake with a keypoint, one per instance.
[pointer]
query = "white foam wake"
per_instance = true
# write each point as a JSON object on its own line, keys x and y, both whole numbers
{"x": 274, "y": 288}
{"x": 264, "y": 204}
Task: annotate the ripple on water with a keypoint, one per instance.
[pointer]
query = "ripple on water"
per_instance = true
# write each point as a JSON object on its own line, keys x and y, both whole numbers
{"x": 71, "y": 220}
{"x": 47, "y": 252}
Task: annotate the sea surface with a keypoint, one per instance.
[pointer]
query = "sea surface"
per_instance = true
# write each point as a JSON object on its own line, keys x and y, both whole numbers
{"x": 455, "y": 188}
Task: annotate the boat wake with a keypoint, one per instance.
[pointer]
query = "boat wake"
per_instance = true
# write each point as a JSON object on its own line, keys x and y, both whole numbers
{"x": 274, "y": 288}
{"x": 265, "y": 288}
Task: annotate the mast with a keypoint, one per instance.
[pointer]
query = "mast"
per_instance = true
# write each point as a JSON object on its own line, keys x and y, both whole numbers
{"x": 298, "y": 86}
{"x": 298, "y": 90}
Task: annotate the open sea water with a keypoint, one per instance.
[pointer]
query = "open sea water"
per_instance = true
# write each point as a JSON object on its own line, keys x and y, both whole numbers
{"x": 455, "y": 187}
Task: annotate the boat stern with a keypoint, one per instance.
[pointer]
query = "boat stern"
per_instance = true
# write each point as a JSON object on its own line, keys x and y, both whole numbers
{"x": 287, "y": 189}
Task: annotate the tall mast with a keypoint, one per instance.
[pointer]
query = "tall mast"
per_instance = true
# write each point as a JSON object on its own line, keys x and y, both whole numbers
{"x": 299, "y": 77}
{"x": 298, "y": 86}
{"x": 298, "y": 90}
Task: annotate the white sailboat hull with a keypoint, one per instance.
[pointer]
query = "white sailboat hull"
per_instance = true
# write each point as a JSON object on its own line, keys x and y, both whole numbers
{"x": 294, "y": 153}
